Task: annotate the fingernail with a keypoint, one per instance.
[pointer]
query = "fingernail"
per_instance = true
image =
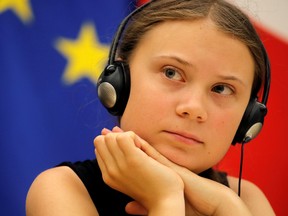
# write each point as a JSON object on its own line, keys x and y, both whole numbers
{"x": 117, "y": 129}
{"x": 105, "y": 131}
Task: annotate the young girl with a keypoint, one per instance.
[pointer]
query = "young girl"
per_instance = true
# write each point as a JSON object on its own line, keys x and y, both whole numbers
{"x": 188, "y": 70}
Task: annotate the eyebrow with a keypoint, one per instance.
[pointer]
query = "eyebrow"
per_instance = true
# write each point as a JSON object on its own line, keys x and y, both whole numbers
{"x": 176, "y": 58}
{"x": 232, "y": 78}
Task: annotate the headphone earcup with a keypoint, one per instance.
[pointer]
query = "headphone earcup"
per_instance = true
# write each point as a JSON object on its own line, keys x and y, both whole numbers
{"x": 113, "y": 87}
{"x": 251, "y": 123}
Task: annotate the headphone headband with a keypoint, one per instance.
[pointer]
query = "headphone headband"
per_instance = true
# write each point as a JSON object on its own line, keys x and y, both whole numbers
{"x": 267, "y": 80}
{"x": 121, "y": 28}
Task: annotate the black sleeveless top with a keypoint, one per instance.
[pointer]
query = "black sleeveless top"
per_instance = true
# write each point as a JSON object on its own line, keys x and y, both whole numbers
{"x": 108, "y": 201}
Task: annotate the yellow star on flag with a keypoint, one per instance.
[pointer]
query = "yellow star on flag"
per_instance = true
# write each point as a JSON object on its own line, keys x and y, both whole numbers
{"x": 21, "y": 8}
{"x": 86, "y": 56}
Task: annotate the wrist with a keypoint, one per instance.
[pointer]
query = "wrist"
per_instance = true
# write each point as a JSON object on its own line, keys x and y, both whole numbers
{"x": 172, "y": 205}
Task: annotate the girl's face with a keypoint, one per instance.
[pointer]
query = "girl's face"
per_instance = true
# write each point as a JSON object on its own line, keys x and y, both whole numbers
{"x": 190, "y": 85}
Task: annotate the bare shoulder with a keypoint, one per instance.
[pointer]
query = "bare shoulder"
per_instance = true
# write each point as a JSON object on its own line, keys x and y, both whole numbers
{"x": 252, "y": 196}
{"x": 59, "y": 191}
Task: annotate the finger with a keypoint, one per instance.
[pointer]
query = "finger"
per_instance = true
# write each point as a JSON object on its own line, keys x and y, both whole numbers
{"x": 102, "y": 150}
{"x": 117, "y": 129}
{"x": 112, "y": 145}
{"x": 100, "y": 162}
{"x": 128, "y": 143}
{"x": 135, "y": 208}
{"x": 138, "y": 141}
{"x": 108, "y": 162}
{"x": 105, "y": 170}
{"x": 105, "y": 131}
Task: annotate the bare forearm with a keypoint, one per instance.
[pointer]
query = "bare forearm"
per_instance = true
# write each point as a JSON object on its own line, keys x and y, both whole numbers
{"x": 211, "y": 198}
{"x": 231, "y": 204}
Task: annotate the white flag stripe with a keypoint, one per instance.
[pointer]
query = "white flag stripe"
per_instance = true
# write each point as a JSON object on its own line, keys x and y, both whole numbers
{"x": 270, "y": 14}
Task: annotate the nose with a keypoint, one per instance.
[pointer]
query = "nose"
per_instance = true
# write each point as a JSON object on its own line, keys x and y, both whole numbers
{"x": 192, "y": 106}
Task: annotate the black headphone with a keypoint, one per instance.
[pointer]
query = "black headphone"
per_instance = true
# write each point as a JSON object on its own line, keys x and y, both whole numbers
{"x": 113, "y": 89}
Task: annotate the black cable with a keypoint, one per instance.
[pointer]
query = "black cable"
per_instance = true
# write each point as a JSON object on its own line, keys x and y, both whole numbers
{"x": 240, "y": 169}
{"x": 246, "y": 140}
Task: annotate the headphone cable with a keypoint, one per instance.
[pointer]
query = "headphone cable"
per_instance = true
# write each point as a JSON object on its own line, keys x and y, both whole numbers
{"x": 246, "y": 139}
{"x": 240, "y": 169}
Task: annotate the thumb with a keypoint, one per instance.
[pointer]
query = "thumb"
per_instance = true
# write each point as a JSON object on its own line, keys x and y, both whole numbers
{"x": 135, "y": 208}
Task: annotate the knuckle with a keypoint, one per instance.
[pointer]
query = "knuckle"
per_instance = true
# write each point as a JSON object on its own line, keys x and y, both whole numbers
{"x": 109, "y": 137}
{"x": 106, "y": 178}
{"x": 110, "y": 175}
{"x": 125, "y": 136}
{"x": 98, "y": 140}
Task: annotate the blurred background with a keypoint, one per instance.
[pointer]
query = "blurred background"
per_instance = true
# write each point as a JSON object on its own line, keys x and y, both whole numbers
{"x": 51, "y": 54}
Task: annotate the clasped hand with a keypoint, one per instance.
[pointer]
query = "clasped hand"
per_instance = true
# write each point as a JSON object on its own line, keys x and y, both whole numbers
{"x": 130, "y": 165}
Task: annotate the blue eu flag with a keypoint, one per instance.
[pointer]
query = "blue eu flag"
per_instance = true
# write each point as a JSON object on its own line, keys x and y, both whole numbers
{"x": 51, "y": 55}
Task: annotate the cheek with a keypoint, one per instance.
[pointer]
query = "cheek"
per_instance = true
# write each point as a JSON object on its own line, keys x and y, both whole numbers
{"x": 145, "y": 106}
{"x": 220, "y": 138}
{"x": 227, "y": 125}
